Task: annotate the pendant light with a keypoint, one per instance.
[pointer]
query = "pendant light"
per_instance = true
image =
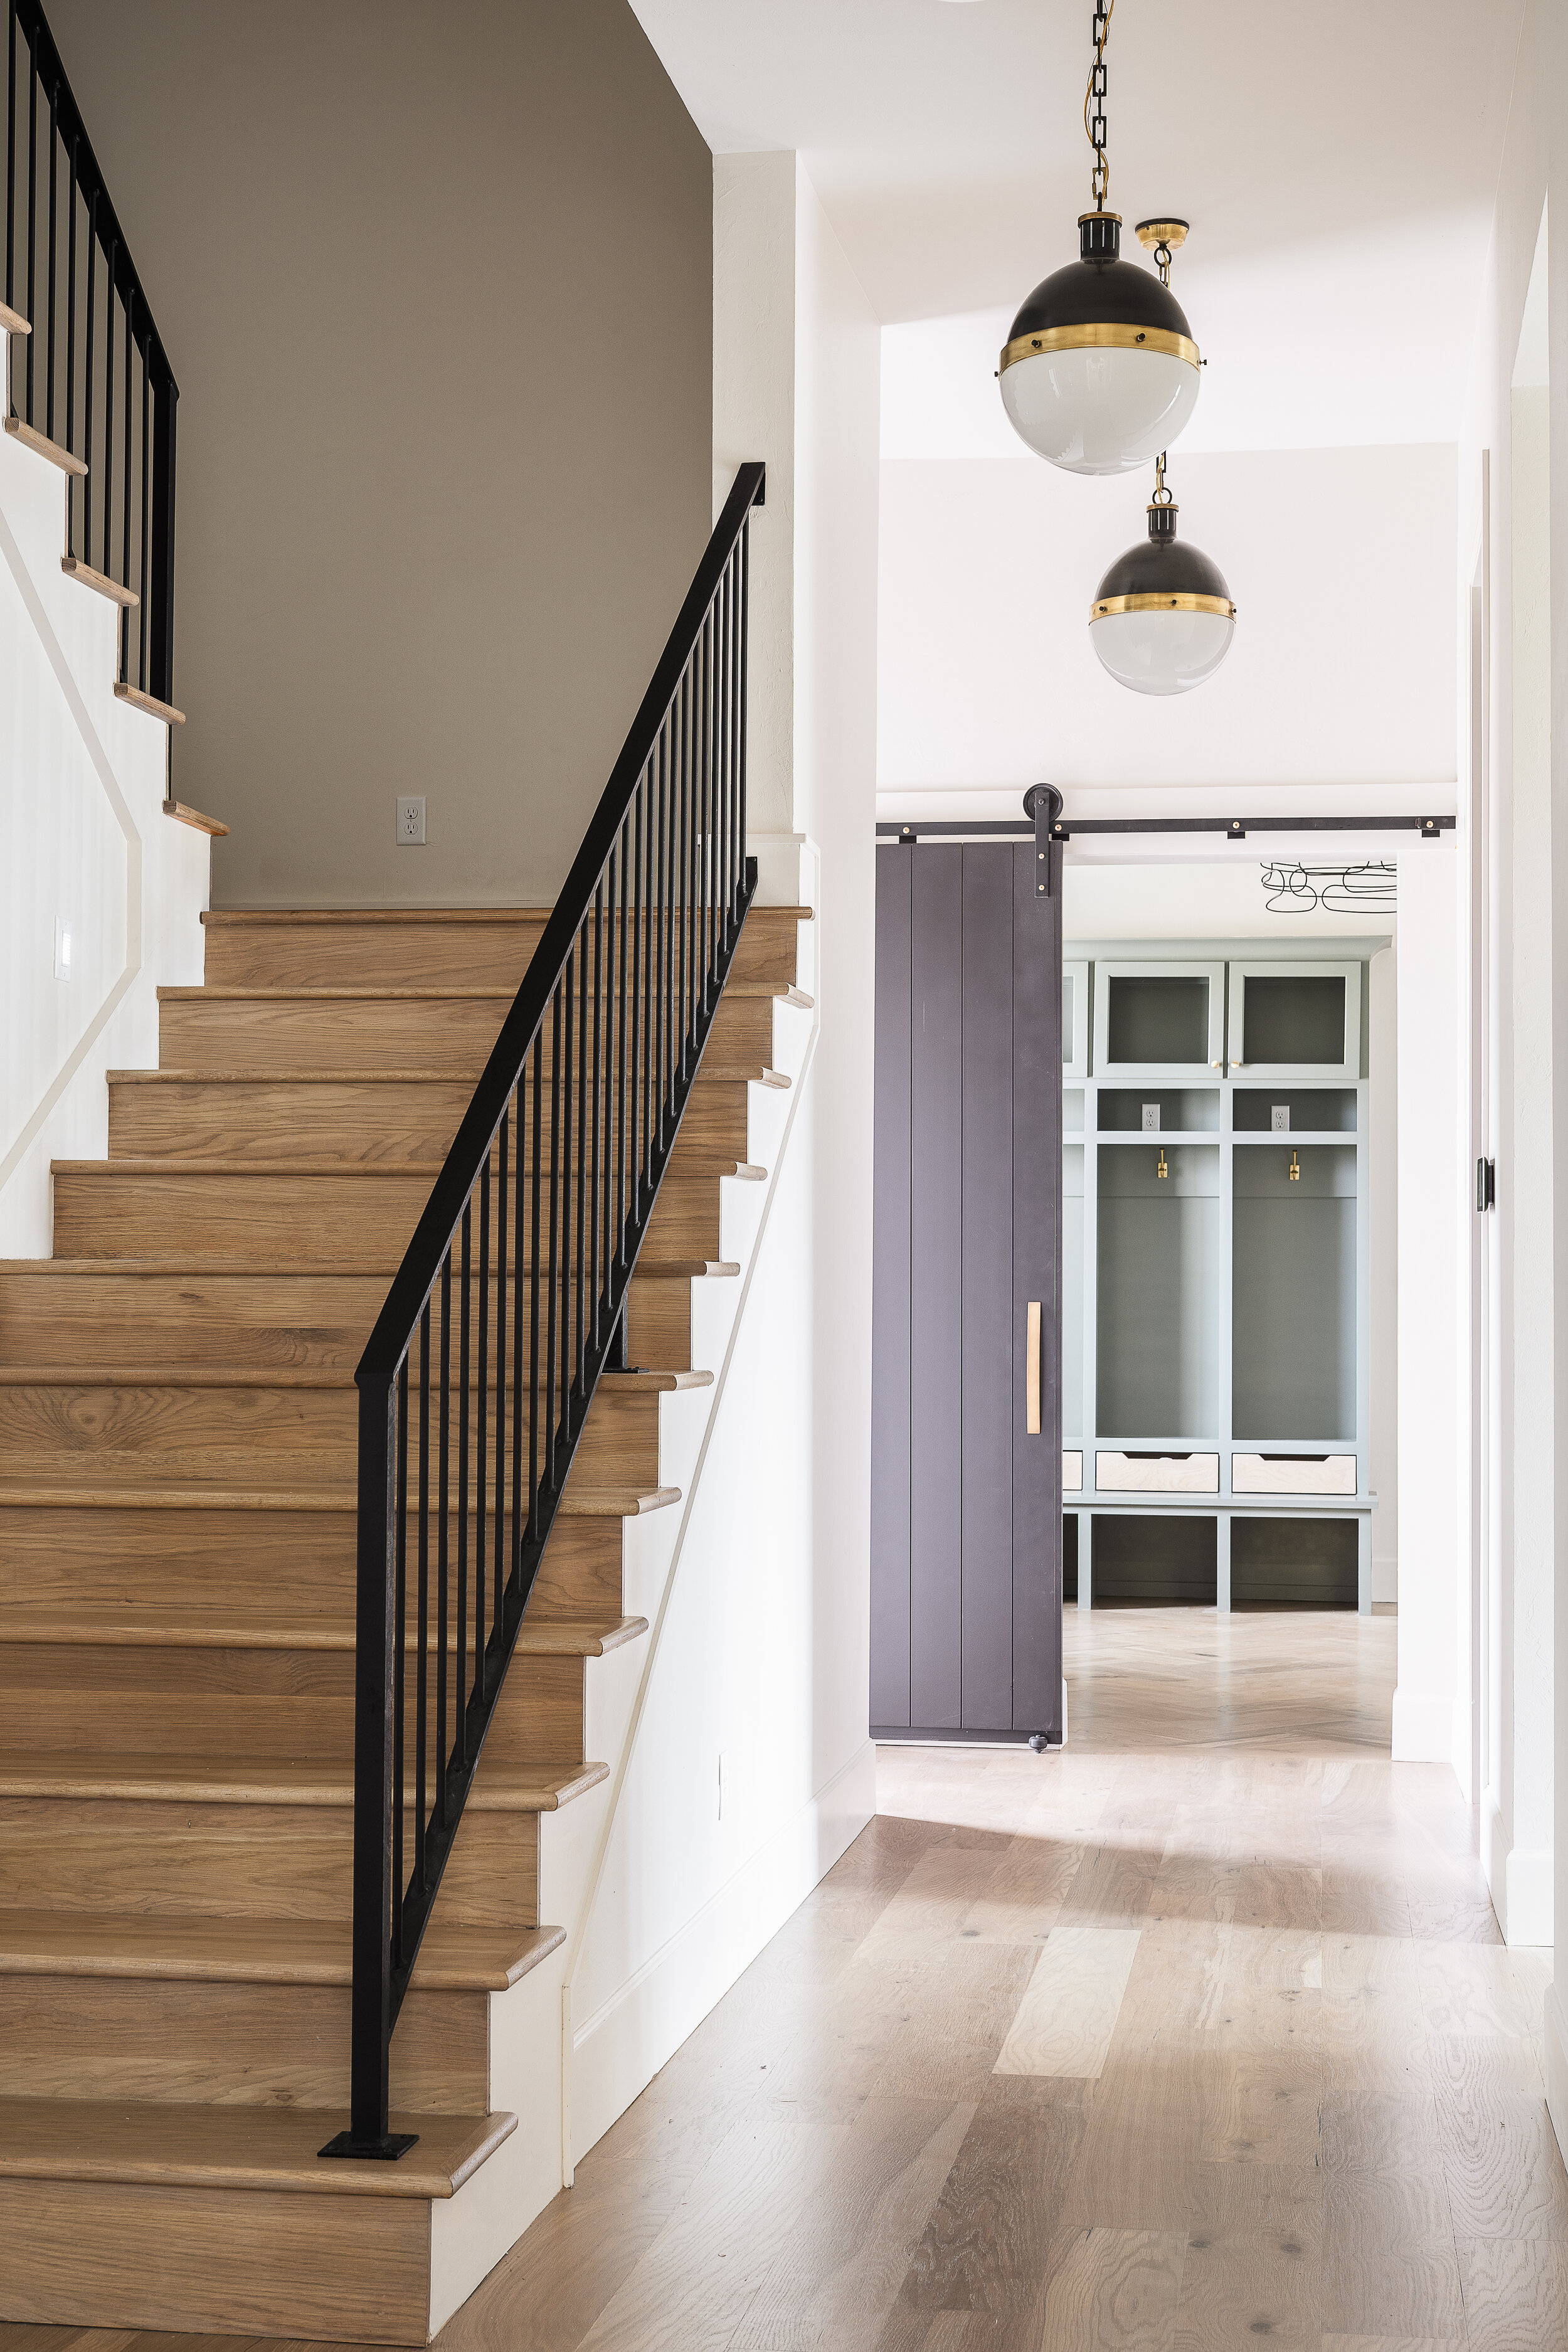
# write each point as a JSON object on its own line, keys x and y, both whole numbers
{"x": 1100, "y": 371}
{"x": 1161, "y": 620}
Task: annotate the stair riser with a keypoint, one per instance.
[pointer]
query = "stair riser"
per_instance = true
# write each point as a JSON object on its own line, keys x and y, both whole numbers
{"x": 225, "y": 1861}
{"x": 92, "y": 2254}
{"x": 453, "y": 1034}
{"x": 685, "y": 1221}
{"x": 116, "y": 1213}
{"x": 258, "y": 1702}
{"x": 255, "y": 1438}
{"x": 142, "y": 2038}
{"x": 361, "y": 1122}
{"x": 270, "y": 1120}
{"x": 316, "y": 1320}
{"x": 434, "y": 955}
{"x": 297, "y": 1563}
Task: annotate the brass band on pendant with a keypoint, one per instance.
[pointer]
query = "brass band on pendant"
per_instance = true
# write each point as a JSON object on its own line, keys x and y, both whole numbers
{"x": 1183, "y": 602}
{"x": 1104, "y": 336}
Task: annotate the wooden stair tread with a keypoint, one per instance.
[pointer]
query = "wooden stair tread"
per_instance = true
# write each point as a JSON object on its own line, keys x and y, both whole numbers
{"x": 756, "y": 1078}
{"x": 183, "y": 1498}
{"x": 263, "y": 2147}
{"x": 643, "y": 1379}
{"x": 42, "y": 446}
{"x": 309, "y": 918}
{"x": 12, "y": 321}
{"x": 309, "y": 1269}
{"x": 614, "y": 1502}
{"x": 149, "y": 703}
{"x": 181, "y": 1078}
{"x": 99, "y": 582}
{"x": 188, "y": 1949}
{"x": 101, "y": 1625}
{"x": 311, "y": 1781}
{"x": 195, "y": 819}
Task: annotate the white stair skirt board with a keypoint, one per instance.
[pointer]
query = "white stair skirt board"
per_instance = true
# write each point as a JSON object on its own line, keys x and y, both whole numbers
{"x": 1422, "y": 1727}
{"x": 647, "y": 2019}
{"x": 1072, "y": 1472}
{"x": 1305, "y": 1474}
{"x": 1157, "y": 1474}
{"x": 1554, "y": 2066}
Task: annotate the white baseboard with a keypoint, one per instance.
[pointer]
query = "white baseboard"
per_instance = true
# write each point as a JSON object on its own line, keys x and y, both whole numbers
{"x": 618, "y": 2050}
{"x": 1556, "y": 2064}
{"x": 1527, "y": 1918}
{"x": 1422, "y": 1727}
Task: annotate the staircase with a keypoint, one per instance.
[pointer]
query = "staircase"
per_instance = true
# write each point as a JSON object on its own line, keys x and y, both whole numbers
{"x": 177, "y": 1592}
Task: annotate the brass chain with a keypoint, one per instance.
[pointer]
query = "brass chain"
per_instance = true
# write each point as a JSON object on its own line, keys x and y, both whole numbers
{"x": 1162, "y": 496}
{"x": 1094, "y": 107}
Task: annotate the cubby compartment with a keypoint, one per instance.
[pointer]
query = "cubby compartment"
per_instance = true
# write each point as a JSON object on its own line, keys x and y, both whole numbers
{"x": 1069, "y": 1555}
{"x": 1075, "y": 1020}
{"x": 1306, "y": 1563}
{"x": 1072, "y": 1111}
{"x": 1183, "y": 1110}
{"x": 1293, "y": 1293}
{"x": 1144, "y": 1559}
{"x": 1072, "y": 1294}
{"x": 1313, "y": 1110}
{"x": 1157, "y": 1284}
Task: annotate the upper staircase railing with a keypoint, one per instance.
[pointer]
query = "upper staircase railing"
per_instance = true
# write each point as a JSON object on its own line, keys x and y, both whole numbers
{"x": 96, "y": 384}
{"x": 475, "y": 1384}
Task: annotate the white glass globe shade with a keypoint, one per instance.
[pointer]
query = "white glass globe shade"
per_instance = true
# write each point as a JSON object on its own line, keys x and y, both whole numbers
{"x": 1100, "y": 411}
{"x": 1165, "y": 652}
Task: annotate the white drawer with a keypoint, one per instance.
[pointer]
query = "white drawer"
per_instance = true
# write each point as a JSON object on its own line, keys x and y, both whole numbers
{"x": 1157, "y": 1474}
{"x": 1292, "y": 1473}
{"x": 1072, "y": 1474}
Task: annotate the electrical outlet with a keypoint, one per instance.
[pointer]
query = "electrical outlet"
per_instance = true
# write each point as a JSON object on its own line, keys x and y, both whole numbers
{"x": 1279, "y": 1119}
{"x": 1151, "y": 1118}
{"x": 411, "y": 824}
{"x": 62, "y": 947}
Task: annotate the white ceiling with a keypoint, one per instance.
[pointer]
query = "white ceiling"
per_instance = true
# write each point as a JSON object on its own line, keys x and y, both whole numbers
{"x": 1337, "y": 163}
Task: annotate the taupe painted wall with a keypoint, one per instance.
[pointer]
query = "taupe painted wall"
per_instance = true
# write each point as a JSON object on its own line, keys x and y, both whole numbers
{"x": 436, "y": 281}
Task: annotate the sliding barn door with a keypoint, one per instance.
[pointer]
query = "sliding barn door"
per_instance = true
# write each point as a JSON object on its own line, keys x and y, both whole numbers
{"x": 966, "y": 1506}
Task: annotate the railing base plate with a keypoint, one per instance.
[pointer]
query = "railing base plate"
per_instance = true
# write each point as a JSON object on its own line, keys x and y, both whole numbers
{"x": 385, "y": 2150}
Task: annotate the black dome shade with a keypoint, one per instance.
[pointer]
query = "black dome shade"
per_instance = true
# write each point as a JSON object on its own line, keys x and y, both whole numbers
{"x": 1100, "y": 289}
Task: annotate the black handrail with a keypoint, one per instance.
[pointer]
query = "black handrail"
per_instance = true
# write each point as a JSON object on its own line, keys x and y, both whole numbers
{"x": 130, "y": 399}
{"x": 570, "y": 1128}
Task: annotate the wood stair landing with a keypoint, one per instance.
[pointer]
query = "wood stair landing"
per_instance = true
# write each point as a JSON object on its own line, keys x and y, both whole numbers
{"x": 177, "y": 1521}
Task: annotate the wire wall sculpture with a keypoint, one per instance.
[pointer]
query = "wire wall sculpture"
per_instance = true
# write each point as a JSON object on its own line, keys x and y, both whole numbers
{"x": 1296, "y": 890}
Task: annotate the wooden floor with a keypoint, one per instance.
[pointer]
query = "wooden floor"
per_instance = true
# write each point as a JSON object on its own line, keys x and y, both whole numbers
{"x": 1197, "y": 2034}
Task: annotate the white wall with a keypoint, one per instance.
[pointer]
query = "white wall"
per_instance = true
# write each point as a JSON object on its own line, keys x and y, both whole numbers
{"x": 1342, "y": 672}
{"x": 1513, "y": 530}
{"x": 760, "y": 1649}
{"x": 81, "y": 783}
{"x": 1432, "y": 1279}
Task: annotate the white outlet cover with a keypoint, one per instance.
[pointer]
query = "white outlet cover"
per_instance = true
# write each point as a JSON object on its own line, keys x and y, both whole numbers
{"x": 1279, "y": 1117}
{"x": 1151, "y": 1118}
{"x": 62, "y": 947}
{"x": 411, "y": 823}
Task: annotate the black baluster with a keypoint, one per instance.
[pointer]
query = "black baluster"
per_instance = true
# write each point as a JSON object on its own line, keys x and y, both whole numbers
{"x": 564, "y": 1148}
{"x": 745, "y": 627}
{"x": 552, "y": 1314}
{"x": 10, "y": 175}
{"x": 32, "y": 206}
{"x": 146, "y": 494}
{"x": 518, "y": 1211}
{"x": 580, "y": 1321}
{"x": 537, "y": 1055}
{"x": 125, "y": 469}
{"x": 481, "y": 1432}
{"x": 443, "y": 1501}
{"x": 621, "y": 1074}
{"x": 594, "y": 1079}
{"x": 639, "y": 937}
{"x": 70, "y": 355}
{"x": 399, "y": 1645}
{"x": 461, "y": 1692}
{"x": 54, "y": 198}
{"x": 87, "y": 380}
{"x": 499, "y": 1552}
{"x": 422, "y": 1659}
{"x": 109, "y": 408}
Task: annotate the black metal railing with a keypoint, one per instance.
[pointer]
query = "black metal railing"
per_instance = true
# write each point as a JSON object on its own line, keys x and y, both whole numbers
{"x": 92, "y": 376}
{"x": 475, "y": 1384}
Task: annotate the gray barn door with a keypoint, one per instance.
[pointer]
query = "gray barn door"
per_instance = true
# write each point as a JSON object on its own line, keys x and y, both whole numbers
{"x": 966, "y": 1506}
